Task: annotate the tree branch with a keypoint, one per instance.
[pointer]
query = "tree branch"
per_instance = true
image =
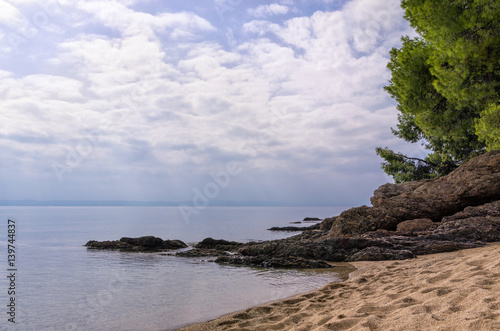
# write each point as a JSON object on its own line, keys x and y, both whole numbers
{"x": 417, "y": 159}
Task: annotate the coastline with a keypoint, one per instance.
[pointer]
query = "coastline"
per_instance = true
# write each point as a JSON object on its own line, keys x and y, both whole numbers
{"x": 457, "y": 290}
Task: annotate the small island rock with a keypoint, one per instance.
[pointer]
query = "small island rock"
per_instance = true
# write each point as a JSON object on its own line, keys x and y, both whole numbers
{"x": 141, "y": 244}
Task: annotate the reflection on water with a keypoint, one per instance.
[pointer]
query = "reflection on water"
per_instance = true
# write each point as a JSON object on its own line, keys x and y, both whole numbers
{"x": 103, "y": 290}
{"x": 134, "y": 291}
{"x": 64, "y": 286}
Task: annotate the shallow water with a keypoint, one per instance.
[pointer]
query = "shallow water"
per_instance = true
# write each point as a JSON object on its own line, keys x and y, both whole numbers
{"x": 60, "y": 285}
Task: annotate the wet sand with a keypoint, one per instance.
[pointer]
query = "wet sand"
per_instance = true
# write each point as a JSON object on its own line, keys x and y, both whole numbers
{"x": 447, "y": 291}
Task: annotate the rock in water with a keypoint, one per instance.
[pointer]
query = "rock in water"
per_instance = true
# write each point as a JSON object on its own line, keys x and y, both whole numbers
{"x": 295, "y": 228}
{"x": 141, "y": 244}
{"x": 311, "y": 219}
{"x": 218, "y": 244}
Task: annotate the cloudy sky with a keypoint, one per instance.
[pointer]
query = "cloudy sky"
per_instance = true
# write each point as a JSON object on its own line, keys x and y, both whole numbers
{"x": 278, "y": 101}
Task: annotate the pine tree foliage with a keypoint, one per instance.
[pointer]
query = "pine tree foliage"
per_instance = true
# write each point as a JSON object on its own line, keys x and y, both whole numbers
{"x": 447, "y": 86}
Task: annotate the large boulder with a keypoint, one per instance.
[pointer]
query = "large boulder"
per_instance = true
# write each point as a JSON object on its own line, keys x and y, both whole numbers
{"x": 475, "y": 183}
{"x": 362, "y": 219}
{"x": 420, "y": 224}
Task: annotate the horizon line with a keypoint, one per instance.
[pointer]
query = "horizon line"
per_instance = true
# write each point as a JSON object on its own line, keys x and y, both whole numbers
{"x": 152, "y": 203}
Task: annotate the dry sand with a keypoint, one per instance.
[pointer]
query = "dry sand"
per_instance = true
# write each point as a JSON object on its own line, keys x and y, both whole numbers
{"x": 447, "y": 291}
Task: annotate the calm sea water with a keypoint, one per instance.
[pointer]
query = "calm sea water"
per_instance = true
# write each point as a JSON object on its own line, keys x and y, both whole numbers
{"x": 60, "y": 285}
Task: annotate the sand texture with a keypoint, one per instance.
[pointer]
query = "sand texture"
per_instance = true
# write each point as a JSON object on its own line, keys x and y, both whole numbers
{"x": 448, "y": 291}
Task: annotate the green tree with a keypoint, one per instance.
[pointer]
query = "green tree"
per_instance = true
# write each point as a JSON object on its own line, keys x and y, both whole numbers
{"x": 488, "y": 126}
{"x": 404, "y": 168}
{"x": 466, "y": 36}
{"x": 447, "y": 86}
{"x": 427, "y": 116}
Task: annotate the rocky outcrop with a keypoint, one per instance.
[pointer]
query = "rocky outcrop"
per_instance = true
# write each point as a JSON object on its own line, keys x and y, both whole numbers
{"x": 327, "y": 223}
{"x": 457, "y": 211}
{"x": 141, "y": 244}
{"x": 360, "y": 220}
{"x": 473, "y": 223}
{"x": 295, "y": 228}
{"x": 475, "y": 183}
{"x": 461, "y": 210}
{"x": 379, "y": 245}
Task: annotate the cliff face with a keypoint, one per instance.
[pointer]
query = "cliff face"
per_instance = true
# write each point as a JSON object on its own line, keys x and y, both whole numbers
{"x": 475, "y": 183}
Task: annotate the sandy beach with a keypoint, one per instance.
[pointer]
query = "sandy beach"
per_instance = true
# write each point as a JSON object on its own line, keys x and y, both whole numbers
{"x": 448, "y": 291}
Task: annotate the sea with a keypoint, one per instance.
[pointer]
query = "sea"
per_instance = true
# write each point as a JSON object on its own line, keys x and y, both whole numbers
{"x": 56, "y": 283}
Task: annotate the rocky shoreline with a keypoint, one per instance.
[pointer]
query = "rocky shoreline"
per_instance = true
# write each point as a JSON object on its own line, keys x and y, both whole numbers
{"x": 457, "y": 211}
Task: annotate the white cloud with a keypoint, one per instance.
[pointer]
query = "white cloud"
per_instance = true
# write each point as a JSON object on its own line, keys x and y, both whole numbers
{"x": 43, "y": 87}
{"x": 116, "y": 15}
{"x": 268, "y": 10}
{"x": 170, "y": 100}
{"x": 5, "y": 74}
{"x": 11, "y": 16}
{"x": 372, "y": 21}
{"x": 109, "y": 65}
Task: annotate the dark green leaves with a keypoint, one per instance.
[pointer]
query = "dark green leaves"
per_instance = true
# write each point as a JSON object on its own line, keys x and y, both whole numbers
{"x": 447, "y": 85}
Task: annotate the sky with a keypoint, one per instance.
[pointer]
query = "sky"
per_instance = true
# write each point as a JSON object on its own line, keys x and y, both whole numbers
{"x": 200, "y": 101}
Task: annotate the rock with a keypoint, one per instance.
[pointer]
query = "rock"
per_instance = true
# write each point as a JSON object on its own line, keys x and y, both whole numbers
{"x": 311, "y": 219}
{"x": 274, "y": 262}
{"x": 147, "y": 242}
{"x": 141, "y": 244}
{"x": 106, "y": 244}
{"x": 490, "y": 210}
{"x": 327, "y": 223}
{"x": 218, "y": 244}
{"x": 387, "y": 191}
{"x": 453, "y": 233}
{"x": 475, "y": 183}
{"x": 420, "y": 224}
{"x": 470, "y": 229}
{"x": 199, "y": 252}
{"x": 286, "y": 228}
{"x": 378, "y": 253}
{"x": 362, "y": 219}
{"x": 128, "y": 240}
{"x": 255, "y": 249}
{"x": 295, "y": 228}
{"x": 173, "y": 244}
{"x": 457, "y": 211}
